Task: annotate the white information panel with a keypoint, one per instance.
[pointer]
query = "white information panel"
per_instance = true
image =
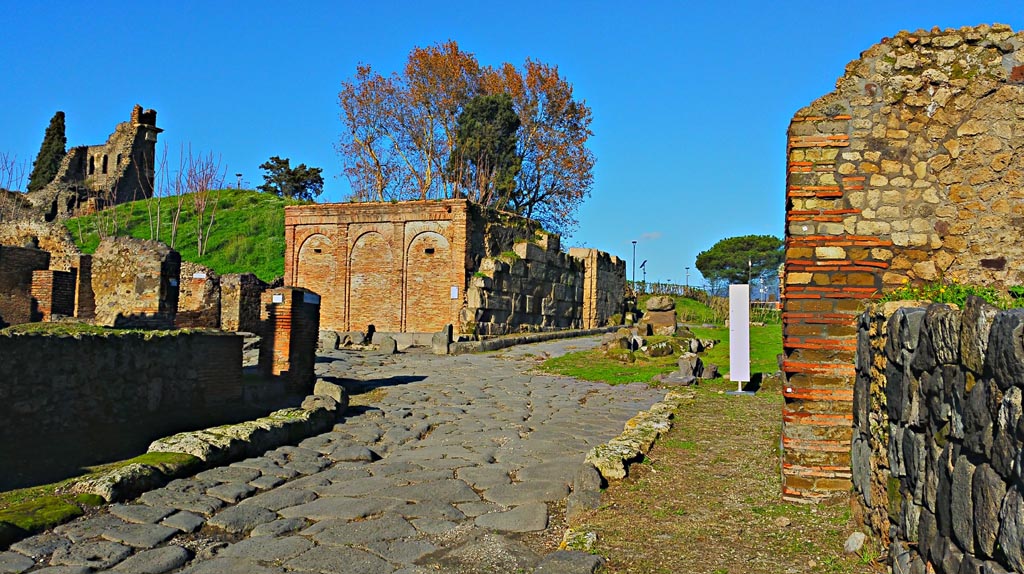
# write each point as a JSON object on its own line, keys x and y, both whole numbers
{"x": 739, "y": 333}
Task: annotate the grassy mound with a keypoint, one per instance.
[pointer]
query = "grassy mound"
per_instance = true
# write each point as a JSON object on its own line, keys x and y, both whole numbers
{"x": 247, "y": 234}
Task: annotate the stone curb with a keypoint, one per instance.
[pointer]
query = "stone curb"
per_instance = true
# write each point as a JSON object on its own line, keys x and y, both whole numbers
{"x": 219, "y": 445}
{"x": 612, "y": 459}
{"x": 497, "y": 343}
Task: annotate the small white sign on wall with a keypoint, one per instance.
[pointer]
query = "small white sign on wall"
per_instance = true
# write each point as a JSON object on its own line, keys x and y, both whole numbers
{"x": 455, "y": 291}
{"x": 199, "y": 275}
{"x": 739, "y": 333}
{"x": 277, "y": 298}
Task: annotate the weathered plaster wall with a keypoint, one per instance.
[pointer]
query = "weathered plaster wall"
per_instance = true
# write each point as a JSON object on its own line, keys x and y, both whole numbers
{"x": 937, "y": 443}
{"x": 198, "y": 297}
{"x": 910, "y": 171}
{"x": 240, "y": 302}
{"x": 135, "y": 283}
{"x": 128, "y": 378}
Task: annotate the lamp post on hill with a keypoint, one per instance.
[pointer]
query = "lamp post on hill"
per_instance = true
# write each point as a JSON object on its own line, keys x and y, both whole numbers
{"x": 687, "y": 278}
{"x": 239, "y": 184}
{"x": 634, "y": 263}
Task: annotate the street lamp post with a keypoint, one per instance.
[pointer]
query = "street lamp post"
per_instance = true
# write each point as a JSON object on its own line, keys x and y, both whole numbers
{"x": 687, "y": 277}
{"x": 634, "y": 263}
{"x": 239, "y": 184}
{"x": 750, "y": 264}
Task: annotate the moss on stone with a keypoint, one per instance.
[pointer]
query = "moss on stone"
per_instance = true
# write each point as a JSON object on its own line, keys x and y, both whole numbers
{"x": 171, "y": 464}
{"x": 88, "y": 499}
{"x": 40, "y": 513}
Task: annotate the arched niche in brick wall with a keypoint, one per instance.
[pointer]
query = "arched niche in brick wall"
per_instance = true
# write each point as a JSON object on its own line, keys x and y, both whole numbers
{"x": 318, "y": 271}
{"x": 427, "y": 298}
{"x": 374, "y": 285}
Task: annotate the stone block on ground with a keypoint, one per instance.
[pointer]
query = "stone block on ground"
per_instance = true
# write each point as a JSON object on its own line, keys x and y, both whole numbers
{"x": 442, "y": 340}
{"x": 661, "y": 303}
{"x": 387, "y": 346}
{"x": 660, "y": 322}
{"x": 328, "y": 340}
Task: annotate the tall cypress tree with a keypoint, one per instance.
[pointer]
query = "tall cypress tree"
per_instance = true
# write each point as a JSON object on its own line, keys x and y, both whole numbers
{"x": 51, "y": 152}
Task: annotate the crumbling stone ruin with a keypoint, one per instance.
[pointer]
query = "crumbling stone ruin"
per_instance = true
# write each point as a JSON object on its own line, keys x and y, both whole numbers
{"x": 17, "y": 266}
{"x": 198, "y": 297}
{"x": 291, "y": 331}
{"x": 415, "y": 266}
{"x": 909, "y": 171}
{"x": 92, "y": 177}
{"x": 240, "y": 302}
{"x": 135, "y": 283}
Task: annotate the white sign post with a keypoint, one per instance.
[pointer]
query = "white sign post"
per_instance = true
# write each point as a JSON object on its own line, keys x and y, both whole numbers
{"x": 739, "y": 335}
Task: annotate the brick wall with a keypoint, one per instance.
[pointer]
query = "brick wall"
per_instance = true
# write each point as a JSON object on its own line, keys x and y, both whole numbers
{"x": 16, "y": 267}
{"x": 291, "y": 329}
{"x": 905, "y": 173}
{"x": 54, "y": 292}
{"x": 392, "y": 265}
{"x": 409, "y": 267}
{"x": 135, "y": 283}
{"x": 240, "y": 302}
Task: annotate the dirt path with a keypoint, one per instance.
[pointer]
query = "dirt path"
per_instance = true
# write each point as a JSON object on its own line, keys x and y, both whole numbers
{"x": 707, "y": 500}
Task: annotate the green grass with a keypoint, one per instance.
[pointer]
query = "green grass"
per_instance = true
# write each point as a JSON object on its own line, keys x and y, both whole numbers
{"x": 247, "y": 235}
{"x": 595, "y": 365}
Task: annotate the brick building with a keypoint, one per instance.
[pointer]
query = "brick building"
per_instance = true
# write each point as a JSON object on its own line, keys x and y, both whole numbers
{"x": 416, "y": 266}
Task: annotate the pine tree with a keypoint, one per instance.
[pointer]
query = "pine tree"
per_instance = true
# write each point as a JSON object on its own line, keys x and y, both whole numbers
{"x": 51, "y": 152}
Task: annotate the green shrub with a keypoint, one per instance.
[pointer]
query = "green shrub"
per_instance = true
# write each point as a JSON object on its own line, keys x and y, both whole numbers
{"x": 947, "y": 292}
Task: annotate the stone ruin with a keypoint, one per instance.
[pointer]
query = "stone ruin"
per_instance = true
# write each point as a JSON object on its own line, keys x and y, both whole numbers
{"x": 91, "y": 177}
{"x": 413, "y": 267}
{"x": 909, "y": 171}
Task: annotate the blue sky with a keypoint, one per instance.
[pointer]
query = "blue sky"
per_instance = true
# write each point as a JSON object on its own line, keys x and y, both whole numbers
{"x": 691, "y": 100}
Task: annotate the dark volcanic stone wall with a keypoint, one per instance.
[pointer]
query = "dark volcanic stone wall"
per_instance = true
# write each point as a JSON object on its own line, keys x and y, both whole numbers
{"x": 938, "y": 436}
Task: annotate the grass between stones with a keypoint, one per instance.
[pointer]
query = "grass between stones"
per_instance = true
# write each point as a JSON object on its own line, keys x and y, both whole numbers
{"x": 706, "y": 499}
{"x": 25, "y": 511}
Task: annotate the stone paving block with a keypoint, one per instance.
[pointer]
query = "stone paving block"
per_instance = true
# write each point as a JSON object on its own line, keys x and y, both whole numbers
{"x": 279, "y": 527}
{"x": 268, "y": 549}
{"x": 190, "y": 501}
{"x": 39, "y": 545}
{"x": 93, "y": 554}
{"x": 433, "y": 526}
{"x": 64, "y": 570}
{"x": 231, "y": 566}
{"x": 402, "y": 551}
{"x": 526, "y": 518}
{"x": 14, "y": 563}
{"x": 474, "y": 509}
{"x": 387, "y": 527}
{"x": 231, "y": 492}
{"x": 351, "y": 453}
{"x": 184, "y": 521}
{"x": 155, "y": 561}
{"x": 267, "y": 467}
{"x": 93, "y": 527}
{"x": 452, "y": 490}
{"x": 280, "y": 498}
{"x": 307, "y": 467}
{"x": 266, "y": 482}
{"x": 484, "y": 477}
{"x": 140, "y": 513}
{"x": 432, "y": 509}
{"x": 140, "y": 535}
{"x": 229, "y": 474}
{"x": 524, "y": 492}
{"x": 339, "y": 507}
{"x": 327, "y": 559}
{"x": 241, "y": 519}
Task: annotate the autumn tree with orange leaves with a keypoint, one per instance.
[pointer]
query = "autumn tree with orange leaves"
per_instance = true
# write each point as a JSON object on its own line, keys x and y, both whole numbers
{"x": 400, "y": 134}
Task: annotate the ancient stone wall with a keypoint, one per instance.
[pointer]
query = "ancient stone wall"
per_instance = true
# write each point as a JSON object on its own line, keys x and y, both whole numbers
{"x": 291, "y": 330}
{"x": 130, "y": 378}
{"x": 240, "y": 302}
{"x": 16, "y": 267}
{"x": 51, "y": 237}
{"x": 118, "y": 171}
{"x": 937, "y": 409}
{"x": 535, "y": 287}
{"x": 909, "y": 171}
{"x": 135, "y": 283}
{"x": 604, "y": 285}
{"x": 198, "y": 297}
{"x": 416, "y": 266}
{"x": 54, "y": 293}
